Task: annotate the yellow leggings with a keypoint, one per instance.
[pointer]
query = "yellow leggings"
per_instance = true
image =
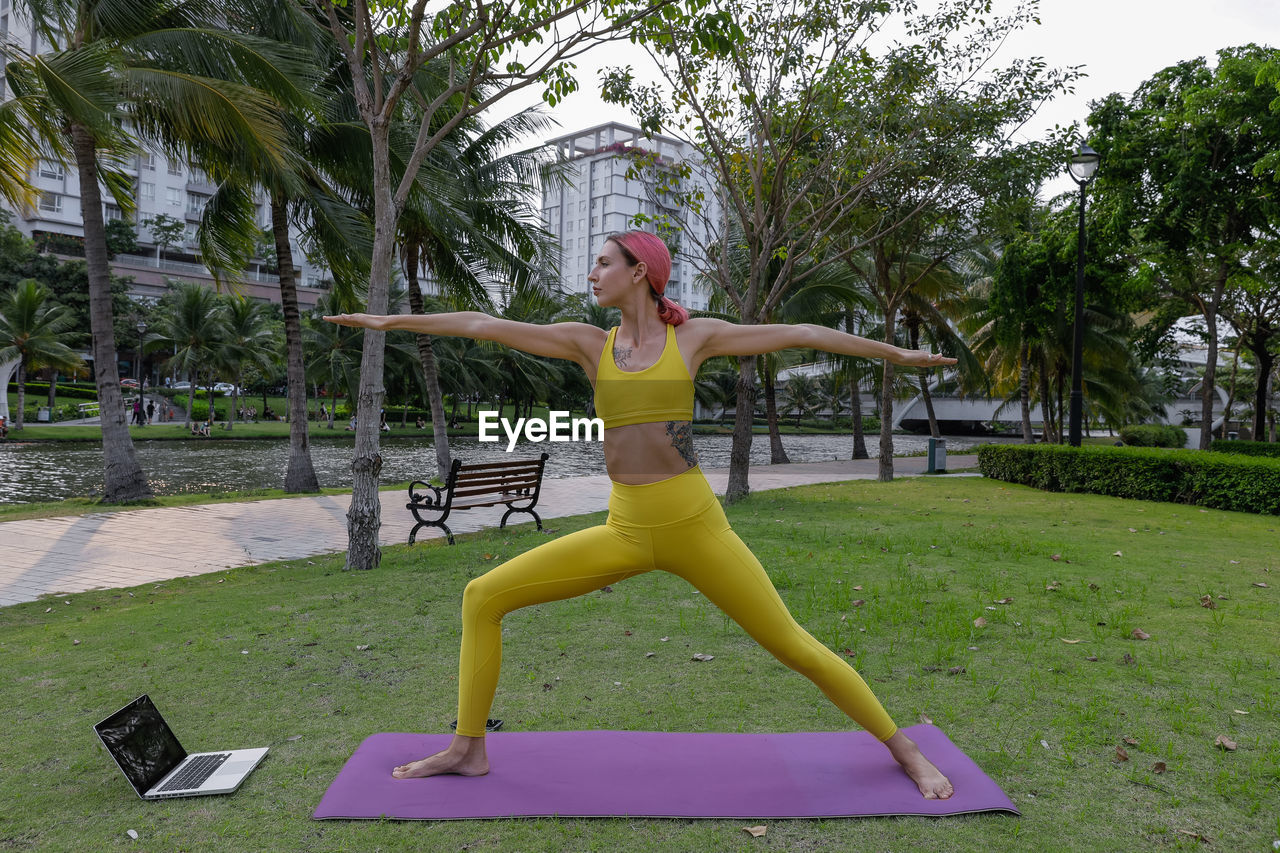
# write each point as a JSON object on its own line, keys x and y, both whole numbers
{"x": 676, "y": 525}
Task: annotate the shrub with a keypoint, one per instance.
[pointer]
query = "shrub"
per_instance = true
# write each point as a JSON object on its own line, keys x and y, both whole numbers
{"x": 1154, "y": 435}
{"x": 1178, "y": 476}
{"x": 1246, "y": 448}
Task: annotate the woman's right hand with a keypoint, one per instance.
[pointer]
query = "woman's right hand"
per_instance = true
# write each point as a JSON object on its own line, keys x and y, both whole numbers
{"x": 364, "y": 321}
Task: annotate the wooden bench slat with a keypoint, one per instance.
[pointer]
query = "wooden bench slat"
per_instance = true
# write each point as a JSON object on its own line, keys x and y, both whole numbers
{"x": 507, "y": 488}
{"x": 483, "y": 484}
{"x": 495, "y": 482}
{"x": 495, "y": 476}
{"x": 481, "y": 466}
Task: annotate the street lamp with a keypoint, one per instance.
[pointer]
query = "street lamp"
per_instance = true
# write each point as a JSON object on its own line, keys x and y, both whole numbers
{"x": 142, "y": 401}
{"x": 1082, "y": 167}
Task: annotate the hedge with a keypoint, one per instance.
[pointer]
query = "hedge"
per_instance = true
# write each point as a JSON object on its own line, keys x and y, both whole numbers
{"x": 1217, "y": 480}
{"x": 41, "y": 389}
{"x": 1246, "y": 448}
{"x": 1154, "y": 435}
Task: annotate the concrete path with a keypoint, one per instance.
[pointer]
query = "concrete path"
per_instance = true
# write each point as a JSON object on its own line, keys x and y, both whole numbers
{"x": 127, "y": 548}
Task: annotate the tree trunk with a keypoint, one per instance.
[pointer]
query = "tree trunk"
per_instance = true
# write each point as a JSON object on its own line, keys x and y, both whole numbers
{"x": 300, "y": 473}
{"x": 22, "y": 395}
{"x": 1231, "y": 387}
{"x": 1024, "y": 393}
{"x": 1266, "y": 361}
{"x": 430, "y": 368}
{"x": 1207, "y": 388}
{"x": 364, "y": 517}
{"x": 1046, "y": 410}
{"x": 740, "y": 455}
{"x": 889, "y": 311}
{"x": 855, "y": 403}
{"x": 53, "y": 391}
{"x": 123, "y": 478}
{"x": 925, "y": 375}
{"x": 777, "y": 453}
{"x": 1061, "y": 410}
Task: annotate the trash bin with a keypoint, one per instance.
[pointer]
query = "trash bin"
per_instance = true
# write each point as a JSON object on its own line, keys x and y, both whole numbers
{"x": 937, "y": 456}
{"x": 44, "y": 414}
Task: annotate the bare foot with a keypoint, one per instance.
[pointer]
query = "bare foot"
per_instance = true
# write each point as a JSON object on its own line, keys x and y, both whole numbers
{"x": 928, "y": 778}
{"x": 465, "y": 757}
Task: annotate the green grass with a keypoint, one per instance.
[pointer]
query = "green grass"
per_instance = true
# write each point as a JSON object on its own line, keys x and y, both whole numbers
{"x": 931, "y": 556}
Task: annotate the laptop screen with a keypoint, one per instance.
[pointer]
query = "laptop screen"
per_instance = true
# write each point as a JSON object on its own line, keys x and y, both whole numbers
{"x": 141, "y": 743}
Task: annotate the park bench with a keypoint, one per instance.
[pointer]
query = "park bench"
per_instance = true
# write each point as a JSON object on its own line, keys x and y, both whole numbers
{"x": 513, "y": 484}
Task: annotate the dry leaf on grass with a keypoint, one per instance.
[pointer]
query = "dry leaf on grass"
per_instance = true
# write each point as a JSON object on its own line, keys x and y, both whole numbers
{"x": 1092, "y": 658}
{"x": 1140, "y": 634}
{"x": 1121, "y": 755}
{"x": 1070, "y": 642}
{"x": 755, "y": 831}
{"x": 649, "y": 654}
{"x": 956, "y": 670}
{"x": 1245, "y": 713}
{"x": 1225, "y": 743}
{"x": 1132, "y": 741}
{"x": 1259, "y": 584}
{"x": 1004, "y": 601}
{"x": 858, "y": 588}
{"x": 1196, "y": 835}
{"x": 1127, "y": 659}
{"x": 858, "y": 602}
{"x": 1056, "y": 557}
{"x": 979, "y": 622}
{"x": 1053, "y": 587}
{"x": 132, "y": 833}
{"x": 701, "y": 656}
{"x": 1117, "y": 554}
{"x": 1159, "y": 767}
{"x": 1207, "y": 601}
{"x": 924, "y": 719}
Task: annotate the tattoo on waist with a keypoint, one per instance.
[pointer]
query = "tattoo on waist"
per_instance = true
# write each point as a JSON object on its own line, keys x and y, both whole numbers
{"x": 681, "y": 433}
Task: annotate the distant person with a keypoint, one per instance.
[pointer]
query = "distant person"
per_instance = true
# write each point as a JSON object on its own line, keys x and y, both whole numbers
{"x": 137, "y": 411}
{"x": 420, "y": 423}
{"x": 352, "y": 424}
{"x": 151, "y": 410}
{"x": 4, "y": 426}
{"x": 324, "y": 413}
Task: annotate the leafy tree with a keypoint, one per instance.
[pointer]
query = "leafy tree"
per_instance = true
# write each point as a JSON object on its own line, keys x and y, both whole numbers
{"x": 121, "y": 239}
{"x": 250, "y": 340}
{"x": 31, "y": 330}
{"x": 193, "y": 325}
{"x": 1185, "y": 174}
{"x": 165, "y": 231}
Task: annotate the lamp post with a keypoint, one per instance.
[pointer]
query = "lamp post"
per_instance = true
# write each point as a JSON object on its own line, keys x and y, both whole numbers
{"x": 1082, "y": 167}
{"x": 142, "y": 400}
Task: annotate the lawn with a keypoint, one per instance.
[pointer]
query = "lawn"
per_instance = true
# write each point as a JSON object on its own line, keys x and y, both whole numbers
{"x": 1041, "y": 696}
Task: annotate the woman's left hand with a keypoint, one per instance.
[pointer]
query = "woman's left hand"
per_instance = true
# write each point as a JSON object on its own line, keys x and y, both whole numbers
{"x": 919, "y": 358}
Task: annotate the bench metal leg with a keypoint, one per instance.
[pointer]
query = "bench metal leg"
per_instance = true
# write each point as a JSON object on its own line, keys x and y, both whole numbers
{"x": 413, "y": 534}
{"x": 510, "y": 510}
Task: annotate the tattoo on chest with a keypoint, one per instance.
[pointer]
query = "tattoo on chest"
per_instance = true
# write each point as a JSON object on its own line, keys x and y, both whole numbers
{"x": 621, "y": 355}
{"x": 681, "y": 433}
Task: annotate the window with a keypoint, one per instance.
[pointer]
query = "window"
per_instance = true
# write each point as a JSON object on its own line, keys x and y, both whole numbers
{"x": 146, "y": 191}
{"x": 148, "y": 162}
{"x": 51, "y": 202}
{"x": 51, "y": 170}
{"x": 196, "y": 203}
{"x": 110, "y": 213}
{"x": 175, "y": 168}
{"x": 190, "y": 235}
{"x": 173, "y": 196}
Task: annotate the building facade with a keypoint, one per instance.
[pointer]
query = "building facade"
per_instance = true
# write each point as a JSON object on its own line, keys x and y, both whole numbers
{"x": 611, "y": 174}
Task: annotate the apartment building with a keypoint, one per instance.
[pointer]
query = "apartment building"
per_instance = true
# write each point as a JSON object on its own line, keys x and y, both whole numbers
{"x": 611, "y": 174}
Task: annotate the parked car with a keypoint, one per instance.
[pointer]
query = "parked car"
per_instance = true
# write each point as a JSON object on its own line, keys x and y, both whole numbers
{"x": 181, "y": 386}
{"x": 129, "y": 383}
{"x": 226, "y": 388}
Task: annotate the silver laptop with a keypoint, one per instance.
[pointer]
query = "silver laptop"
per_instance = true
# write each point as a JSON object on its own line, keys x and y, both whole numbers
{"x": 158, "y": 767}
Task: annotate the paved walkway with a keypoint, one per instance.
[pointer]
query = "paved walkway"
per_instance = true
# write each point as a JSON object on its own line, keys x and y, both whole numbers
{"x": 127, "y": 548}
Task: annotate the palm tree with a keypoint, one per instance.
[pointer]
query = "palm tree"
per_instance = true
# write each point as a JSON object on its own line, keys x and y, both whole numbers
{"x": 169, "y": 72}
{"x": 250, "y": 338}
{"x": 193, "y": 326}
{"x": 31, "y": 329}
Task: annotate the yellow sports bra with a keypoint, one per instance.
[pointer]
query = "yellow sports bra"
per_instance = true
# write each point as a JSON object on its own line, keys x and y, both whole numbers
{"x": 660, "y": 392}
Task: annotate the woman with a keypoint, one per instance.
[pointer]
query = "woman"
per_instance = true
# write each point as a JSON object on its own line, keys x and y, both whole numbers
{"x": 662, "y": 512}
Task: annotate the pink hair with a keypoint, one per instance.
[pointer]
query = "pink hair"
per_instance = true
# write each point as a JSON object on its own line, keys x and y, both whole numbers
{"x": 648, "y": 249}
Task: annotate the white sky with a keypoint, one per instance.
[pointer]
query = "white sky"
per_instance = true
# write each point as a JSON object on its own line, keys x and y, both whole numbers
{"x": 1120, "y": 43}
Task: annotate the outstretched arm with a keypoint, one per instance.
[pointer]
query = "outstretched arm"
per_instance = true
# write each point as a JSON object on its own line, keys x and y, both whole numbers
{"x": 579, "y": 342}
{"x": 721, "y": 338}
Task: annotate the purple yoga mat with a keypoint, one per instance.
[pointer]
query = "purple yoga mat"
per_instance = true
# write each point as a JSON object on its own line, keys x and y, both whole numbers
{"x": 656, "y": 774}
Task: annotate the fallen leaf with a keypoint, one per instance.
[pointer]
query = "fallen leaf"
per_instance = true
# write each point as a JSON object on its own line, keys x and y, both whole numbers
{"x": 1053, "y": 587}
{"x": 1056, "y": 557}
{"x": 979, "y": 622}
{"x": 649, "y": 654}
{"x": 664, "y": 639}
{"x": 1225, "y": 743}
{"x": 956, "y": 670}
{"x": 75, "y": 642}
{"x": 1117, "y": 554}
{"x": 1131, "y": 530}
{"x": 1132, "y": 741}
{"x": 1121, "y": 755}
{"x": 1094, "y": 587}
{"x": 363, "y": 648}
{"x": 924, "y": 719}
{"x": 1235, "y": 562}
{"x": 701, "y": 656}
{"x": 858, "y": 588}
{"x": 1245, "y": 713}
{"x": 755, "y": 831}
{"x": 294, "y": 737}
{"x": 488, "y": 556}
{"x": 858, "y": 602}
{"x": 48, "y": 610}
{"x": 1092, "y": 658}
{"x": 1158, "y": 767}
{"x": 1127, "y": 659}
{"x": 132, "y": 833}
{"x": 1207, "y": 601}
{"x": 1004, "y": 601}
{"x": 989, "y": 607}
{"x": 1197, "y": 836}
{"x": 1070, "y": 642}
{"x": 1045, "y": 744}
{"x": 1140, "y": 634}
{"x": 1259, "y": 584}
{"x": 626, "y": 633}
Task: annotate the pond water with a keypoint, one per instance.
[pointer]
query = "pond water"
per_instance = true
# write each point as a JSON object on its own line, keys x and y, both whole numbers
{"x": 48, "y": 472}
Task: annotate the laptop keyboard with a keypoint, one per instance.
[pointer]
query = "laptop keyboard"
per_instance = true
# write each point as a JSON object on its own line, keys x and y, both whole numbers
{"x": 196, "y": 772}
